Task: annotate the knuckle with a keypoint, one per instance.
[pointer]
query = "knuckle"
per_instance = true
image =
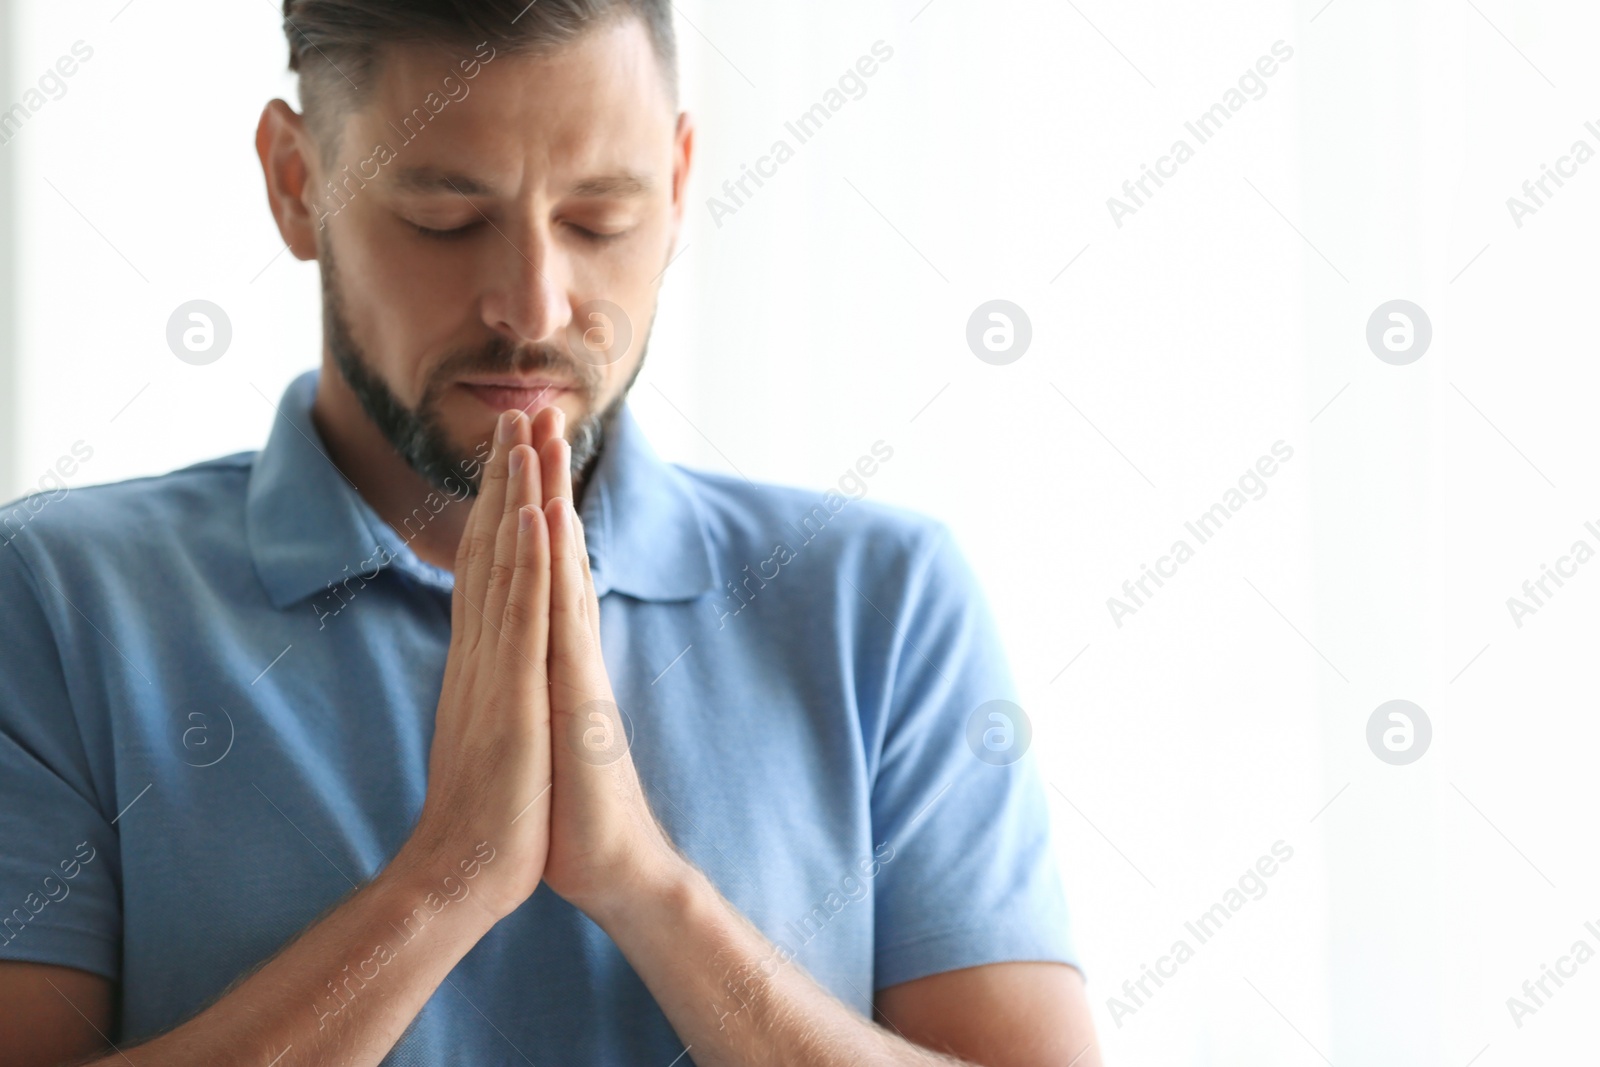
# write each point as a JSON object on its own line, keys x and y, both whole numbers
{"x": 567, "y": 660}
{"x": 473, "y": 546}
{"x": 517, "y": 614}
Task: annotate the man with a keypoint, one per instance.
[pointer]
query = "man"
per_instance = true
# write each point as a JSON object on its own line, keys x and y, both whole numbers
{"x": 305, "y": 758}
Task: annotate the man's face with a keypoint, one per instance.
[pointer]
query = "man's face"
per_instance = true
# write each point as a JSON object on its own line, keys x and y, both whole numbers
{"x": 507, "y": 255}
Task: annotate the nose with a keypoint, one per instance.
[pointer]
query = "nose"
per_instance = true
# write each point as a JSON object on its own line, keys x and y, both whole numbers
{"x": 527, "y": 299}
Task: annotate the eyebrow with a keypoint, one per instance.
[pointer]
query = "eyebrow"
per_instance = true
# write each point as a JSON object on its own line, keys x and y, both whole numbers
{"x": 625, "y": 184}
{"x": 430, "y": 180}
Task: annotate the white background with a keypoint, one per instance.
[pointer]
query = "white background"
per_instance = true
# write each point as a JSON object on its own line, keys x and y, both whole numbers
{"x": 1227, "y": 314}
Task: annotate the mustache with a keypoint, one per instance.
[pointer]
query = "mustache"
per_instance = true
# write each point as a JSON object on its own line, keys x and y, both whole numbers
{"x": 501, "y": 356}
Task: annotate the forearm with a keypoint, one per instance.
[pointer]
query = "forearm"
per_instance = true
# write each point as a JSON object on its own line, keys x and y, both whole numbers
{"x": 728, "y": 993}
{"x": 347, "y": 988}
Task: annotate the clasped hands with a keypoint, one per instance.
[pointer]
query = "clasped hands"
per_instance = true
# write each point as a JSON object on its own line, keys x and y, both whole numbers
{"x": 529, "y": 751}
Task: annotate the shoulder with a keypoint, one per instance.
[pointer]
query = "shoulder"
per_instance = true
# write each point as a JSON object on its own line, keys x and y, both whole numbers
{"x": 832, "y": 531}
{"x": 129, "y": 524}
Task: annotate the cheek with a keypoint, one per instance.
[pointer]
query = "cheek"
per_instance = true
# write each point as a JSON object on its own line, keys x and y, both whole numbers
{"x": 403, "y": 298}
{"x": 626, "y": 271}
{"x": 630, "y": 274}
{"x": 615, "y": 376}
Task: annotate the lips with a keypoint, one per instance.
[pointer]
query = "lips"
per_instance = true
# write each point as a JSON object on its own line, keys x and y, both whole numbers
{"x": 504, "y": 394}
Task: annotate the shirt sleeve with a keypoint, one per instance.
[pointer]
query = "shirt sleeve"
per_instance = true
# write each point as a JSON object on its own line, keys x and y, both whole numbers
{"x": 973, "y": 877}
{"x": 59, "y": 899}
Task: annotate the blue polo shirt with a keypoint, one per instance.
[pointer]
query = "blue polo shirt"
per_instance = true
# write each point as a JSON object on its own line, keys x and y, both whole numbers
{"x": 217, "y": 691}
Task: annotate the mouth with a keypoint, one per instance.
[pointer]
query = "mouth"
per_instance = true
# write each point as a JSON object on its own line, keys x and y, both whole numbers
{"x": 523, "y": 394}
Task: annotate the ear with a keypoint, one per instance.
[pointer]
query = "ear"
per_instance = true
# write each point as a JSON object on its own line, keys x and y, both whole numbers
{"x": 290, "y": 166}
{"x": 682, "y": 157}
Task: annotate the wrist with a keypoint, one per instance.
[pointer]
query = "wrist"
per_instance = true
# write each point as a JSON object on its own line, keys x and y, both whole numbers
{"x": 659, "y": 889}
{"x": 436, "y": 879}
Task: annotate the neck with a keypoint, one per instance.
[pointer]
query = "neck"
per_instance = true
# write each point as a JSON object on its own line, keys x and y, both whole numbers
{"x": 428, "y": 520}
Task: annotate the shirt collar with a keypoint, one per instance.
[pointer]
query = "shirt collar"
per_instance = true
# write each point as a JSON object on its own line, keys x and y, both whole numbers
{"x": 308, "y": 528}
{"x": 644, "y": 524}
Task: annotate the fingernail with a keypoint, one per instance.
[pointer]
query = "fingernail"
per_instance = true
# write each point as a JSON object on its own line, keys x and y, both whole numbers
{"x": 503, "y": 430}
{"x": 524, "y": 519}
{"x": 516, "y": 461}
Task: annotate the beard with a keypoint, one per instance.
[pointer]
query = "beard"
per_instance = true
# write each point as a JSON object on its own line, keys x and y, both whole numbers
{"x": 418, "y": 435}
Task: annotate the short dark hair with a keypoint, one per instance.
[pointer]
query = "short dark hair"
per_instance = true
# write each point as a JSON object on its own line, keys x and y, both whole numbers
{"x": 334, "y": 44}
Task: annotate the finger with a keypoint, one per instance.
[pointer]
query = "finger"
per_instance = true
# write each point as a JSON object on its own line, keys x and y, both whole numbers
{"x": 465, "y": 621}
{"x": 491, "y": 498}
{"x": 522, "y": 488}
{"x": 556, "y": 462}
{"x": 570, "y": 631}
{"x": 548, "y": 424}
{"x": 589, "y": 596}
{"x": 526, "y": 633}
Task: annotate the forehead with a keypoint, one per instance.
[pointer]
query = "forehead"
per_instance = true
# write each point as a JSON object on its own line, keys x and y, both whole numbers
{"x": 599, "y": 105}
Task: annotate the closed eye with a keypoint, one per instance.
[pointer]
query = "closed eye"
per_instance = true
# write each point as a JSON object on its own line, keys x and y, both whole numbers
{"x": 595, "y": 236}
{"x": 445, "y": 235}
